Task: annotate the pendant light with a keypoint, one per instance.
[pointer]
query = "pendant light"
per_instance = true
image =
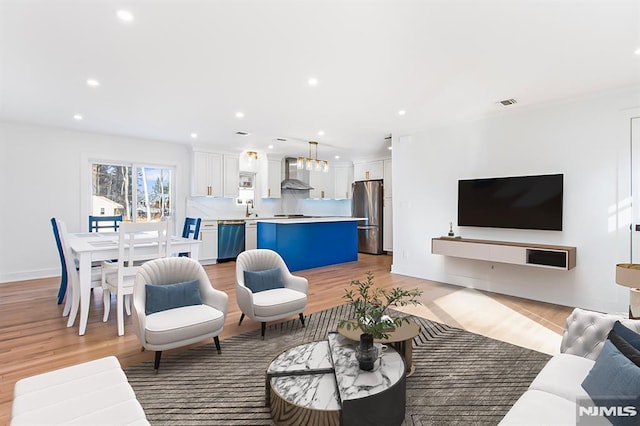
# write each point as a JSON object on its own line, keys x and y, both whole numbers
{"x": 310, "y": 163}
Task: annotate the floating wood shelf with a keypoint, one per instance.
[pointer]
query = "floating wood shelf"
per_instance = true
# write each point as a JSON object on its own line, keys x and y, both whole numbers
{"x": 538, "y": 255}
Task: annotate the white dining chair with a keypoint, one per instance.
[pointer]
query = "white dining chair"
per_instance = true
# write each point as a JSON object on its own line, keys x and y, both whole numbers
{"x": 137, "y": 243}
{"x": 72, "y": 300}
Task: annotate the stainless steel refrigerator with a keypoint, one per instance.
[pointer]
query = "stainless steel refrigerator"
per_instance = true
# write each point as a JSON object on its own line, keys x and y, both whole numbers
{"x": 366, "y": 202}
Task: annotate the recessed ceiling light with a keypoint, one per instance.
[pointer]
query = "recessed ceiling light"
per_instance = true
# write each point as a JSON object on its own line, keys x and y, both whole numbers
{"x": 320, "y": 133}
{"x": 93, "y": 83}
{"x": 312, "y": 81}
{"x": 337, "y": 157}
{"x": 239, "y": 114}
{"x": 637, "y": 52}
{"x": 125, "y": 15}
{"x": 390, "y": 148}
{"x": 402, "y": 112}
{"x": 270, "y": 147}
{"x": 77, "y": 117}
{"x": 194, "y": 135}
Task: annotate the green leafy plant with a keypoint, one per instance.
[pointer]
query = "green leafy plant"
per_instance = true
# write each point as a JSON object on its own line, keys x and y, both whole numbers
{"x": 370, "y": 306}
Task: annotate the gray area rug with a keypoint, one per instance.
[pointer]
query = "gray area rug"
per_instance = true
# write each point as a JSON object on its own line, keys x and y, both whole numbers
{"x": 460, "y": 377}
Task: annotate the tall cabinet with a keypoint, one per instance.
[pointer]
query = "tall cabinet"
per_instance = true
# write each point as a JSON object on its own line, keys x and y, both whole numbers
{"x": 387, "y": 210}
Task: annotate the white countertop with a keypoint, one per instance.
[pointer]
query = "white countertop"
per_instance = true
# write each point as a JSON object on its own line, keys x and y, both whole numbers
{"x": 289, "y": 221}
{"x": 272, "y": 219}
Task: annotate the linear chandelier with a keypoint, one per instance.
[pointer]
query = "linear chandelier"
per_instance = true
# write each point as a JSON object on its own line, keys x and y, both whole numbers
{"x": 313, "y": 163}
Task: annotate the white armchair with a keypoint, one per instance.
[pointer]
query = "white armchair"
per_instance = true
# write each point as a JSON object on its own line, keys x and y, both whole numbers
{"x": 274, "y": 303}
{"x": 177, "y": 326}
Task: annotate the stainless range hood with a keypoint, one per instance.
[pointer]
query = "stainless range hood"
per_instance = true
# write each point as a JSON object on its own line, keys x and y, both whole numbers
{"x": 294, "y": 178}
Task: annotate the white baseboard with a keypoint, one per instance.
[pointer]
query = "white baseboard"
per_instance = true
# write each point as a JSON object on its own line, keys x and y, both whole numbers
{"x": 29, "y": 275}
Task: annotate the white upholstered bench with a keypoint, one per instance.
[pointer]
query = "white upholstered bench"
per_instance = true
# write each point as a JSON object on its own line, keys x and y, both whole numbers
{"x": 95, "y": 392}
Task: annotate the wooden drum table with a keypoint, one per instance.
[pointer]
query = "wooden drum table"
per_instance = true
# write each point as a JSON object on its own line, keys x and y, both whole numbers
{"x": 319, "y": 383}
{"x": 401, "y": 339}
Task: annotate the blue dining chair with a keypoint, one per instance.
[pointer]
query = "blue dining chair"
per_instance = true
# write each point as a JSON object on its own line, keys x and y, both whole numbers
{"x": 103, "y": 222}
{"x": 63, "y": 281}
{"x": 191, "y": 229}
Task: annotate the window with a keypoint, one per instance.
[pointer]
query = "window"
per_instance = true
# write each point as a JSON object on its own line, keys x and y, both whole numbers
{"x": 147, "y": 198}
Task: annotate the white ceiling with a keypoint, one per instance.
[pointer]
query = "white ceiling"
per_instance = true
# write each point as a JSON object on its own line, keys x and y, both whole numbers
{"x": 186, "y": 66}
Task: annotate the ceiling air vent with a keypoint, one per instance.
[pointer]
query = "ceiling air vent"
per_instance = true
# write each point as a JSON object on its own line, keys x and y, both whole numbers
{"x": 281, "y": 139}
{"x": 508, "y": 102}
{"x": 242, "y": 133}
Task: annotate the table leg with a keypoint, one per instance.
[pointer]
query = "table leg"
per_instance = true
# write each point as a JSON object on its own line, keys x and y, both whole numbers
{"x": 84, "y": 262}
{"x": 405, "y": 347}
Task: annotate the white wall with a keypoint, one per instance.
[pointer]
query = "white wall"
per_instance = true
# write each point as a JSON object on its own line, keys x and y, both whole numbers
{"x": 44, "y": 173}
{"x": 41, "y": 173}
{"x": 587, "y": 139}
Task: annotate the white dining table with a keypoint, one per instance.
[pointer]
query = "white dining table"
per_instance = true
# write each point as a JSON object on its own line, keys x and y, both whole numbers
{"x": 91, "y": 247}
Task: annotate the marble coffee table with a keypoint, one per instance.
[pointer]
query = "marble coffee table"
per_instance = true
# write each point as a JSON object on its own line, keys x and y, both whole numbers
{"x": 321, "y": 383}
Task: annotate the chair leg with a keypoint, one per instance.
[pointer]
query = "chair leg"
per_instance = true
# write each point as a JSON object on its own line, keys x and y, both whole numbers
{"x": 241, "y": 318}
{"x": 127, "y": 303}
{"x": 106, "y": 301}
{"x": 217, "y": 342}
{"x": 62, "y": 290}
{"x": 120, "y": 313}
{"x": 73, "y": 299}
{"x": 156, "y": 362}
{"x": 263, "y": 328}
{"x": 301, "y": 318}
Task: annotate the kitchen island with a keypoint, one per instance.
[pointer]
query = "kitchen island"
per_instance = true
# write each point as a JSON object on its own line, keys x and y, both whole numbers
{"x": 311, "y": 242}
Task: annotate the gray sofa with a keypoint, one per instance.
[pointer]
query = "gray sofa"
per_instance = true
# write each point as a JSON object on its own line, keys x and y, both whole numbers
{"x": 551, "y": 397}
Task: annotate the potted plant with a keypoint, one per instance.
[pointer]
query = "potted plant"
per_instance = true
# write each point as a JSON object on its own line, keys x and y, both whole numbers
{"x": 370, "y": 305}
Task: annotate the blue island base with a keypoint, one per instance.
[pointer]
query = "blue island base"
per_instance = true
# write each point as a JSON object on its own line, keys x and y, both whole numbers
{"x": 311, "y": 244}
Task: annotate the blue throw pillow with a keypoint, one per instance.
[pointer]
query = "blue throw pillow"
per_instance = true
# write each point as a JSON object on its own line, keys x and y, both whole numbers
{"x": 627, "y": 334}
{"x": 169, "y": 296}
{"x": 257, "y": 281}
{"x": 614, "y": 381}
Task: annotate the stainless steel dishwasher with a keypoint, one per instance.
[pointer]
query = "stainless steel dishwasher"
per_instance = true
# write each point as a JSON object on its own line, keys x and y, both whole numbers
{"x": 230, "y": 239}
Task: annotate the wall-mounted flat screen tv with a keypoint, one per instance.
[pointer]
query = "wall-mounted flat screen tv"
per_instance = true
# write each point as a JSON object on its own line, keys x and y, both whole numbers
{"x": 520, "y": 202}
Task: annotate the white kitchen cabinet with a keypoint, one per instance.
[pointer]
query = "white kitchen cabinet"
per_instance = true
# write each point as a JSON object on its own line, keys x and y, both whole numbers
{"x": 387, "y": 178}
{"x": 343, "y": 178}
{"x": 274, "y": 179}
{"x": 207, "y": 174}
{"x": 369, "y": 170}
{"x": 250, "y": 235}
{"x": 387, "y": 224}
{"x": 209, "y": 238}
{"x": 322, "y": 183}
{"x": 231, "y": 175}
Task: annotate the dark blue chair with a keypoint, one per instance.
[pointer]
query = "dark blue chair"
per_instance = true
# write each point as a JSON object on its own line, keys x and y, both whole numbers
{"x": 103, "y": 222}
{"x": 63, "y": 281}
{"x": 191, "y": 229}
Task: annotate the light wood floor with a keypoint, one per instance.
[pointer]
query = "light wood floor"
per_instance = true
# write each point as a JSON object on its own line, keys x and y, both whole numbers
{"x": 34, "y": 337}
